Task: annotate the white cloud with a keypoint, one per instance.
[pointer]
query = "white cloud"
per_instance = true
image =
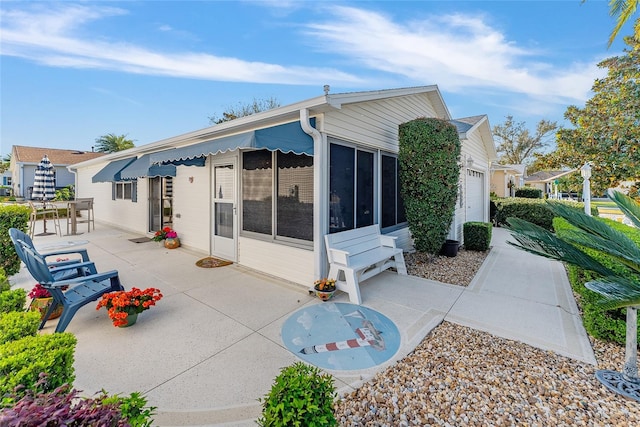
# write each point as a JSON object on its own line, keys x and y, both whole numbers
{"x": 52, "y": 36}
{"x": 457, "y": 52}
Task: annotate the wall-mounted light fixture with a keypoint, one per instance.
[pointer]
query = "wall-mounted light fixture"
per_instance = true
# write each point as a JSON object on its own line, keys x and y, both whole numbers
{"x": 469, "y": 161}
{"x": 191, "y": 179}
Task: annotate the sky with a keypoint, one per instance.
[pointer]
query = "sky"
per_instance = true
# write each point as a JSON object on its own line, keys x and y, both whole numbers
{"x": 71, "y": 72}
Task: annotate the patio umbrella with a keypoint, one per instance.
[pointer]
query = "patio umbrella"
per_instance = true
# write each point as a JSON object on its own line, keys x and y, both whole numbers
{"x": 44, "y": 185}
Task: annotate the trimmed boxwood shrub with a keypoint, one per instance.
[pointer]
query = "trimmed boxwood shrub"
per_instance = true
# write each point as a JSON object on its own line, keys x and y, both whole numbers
{"x": 13, "y": 300}
{"x": 608, "y": 325}
{"x": 477, "y": 235}
{"x": 11, "y": 216}
{"x": 529, "y": 193}
{"x": 22, "y": 361}
{"x": 429, "y": 172}
{"x": 18, "y": 324}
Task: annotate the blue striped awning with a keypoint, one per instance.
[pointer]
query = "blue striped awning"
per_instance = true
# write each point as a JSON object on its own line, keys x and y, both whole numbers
{"x": 143, "y": 167}
{"x": 286, "y": 138}
{"x": 111, "y": 172}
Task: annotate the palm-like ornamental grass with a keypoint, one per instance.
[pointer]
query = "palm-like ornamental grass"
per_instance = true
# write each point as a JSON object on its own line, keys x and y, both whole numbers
{"x": 617, "y": 289}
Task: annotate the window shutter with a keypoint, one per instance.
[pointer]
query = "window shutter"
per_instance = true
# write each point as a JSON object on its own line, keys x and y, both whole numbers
{"x": 113, "y": 190}
{"x": 134, "y": 191}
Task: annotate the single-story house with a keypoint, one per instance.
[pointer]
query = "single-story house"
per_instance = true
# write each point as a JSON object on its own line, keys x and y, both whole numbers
{"x": 24, "y": 162}
{"x": 506, "y": 178}
{"x": 264, "y": 189}
{"x": 547, "y": 181}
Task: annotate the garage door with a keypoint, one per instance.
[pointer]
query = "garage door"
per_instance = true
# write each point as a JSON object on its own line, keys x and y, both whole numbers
{"x": 475, "y": 196}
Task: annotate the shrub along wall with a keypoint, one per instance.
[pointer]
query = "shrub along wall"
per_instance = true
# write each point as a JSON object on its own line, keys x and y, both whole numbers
{"x": 11, "y": 216}
{"x": 608, "y": 325}
{"x": 477, "y": 235}
{"x": 429, "y": 173}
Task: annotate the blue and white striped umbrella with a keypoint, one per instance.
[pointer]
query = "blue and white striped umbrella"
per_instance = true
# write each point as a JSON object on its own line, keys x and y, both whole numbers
{"x": 44, "y": 184}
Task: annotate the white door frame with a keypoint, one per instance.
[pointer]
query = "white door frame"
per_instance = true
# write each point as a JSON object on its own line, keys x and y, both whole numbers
{"x": 224, "y": 247}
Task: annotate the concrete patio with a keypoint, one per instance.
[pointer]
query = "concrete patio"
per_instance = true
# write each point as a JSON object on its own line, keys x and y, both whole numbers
{"x": 212, "y": 346}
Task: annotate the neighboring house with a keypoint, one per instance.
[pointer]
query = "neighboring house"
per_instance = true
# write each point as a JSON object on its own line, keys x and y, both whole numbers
{"x": 24, "y": 161}
{"x": 506, "y": 178}
{"x": 546, "y": 181}
{"x": 5, "y": 183}
{"x": 263, "y": 190}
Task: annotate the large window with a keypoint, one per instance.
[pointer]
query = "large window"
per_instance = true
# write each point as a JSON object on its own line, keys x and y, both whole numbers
{"x": 393, "y": 212}
{"x": 351, "y": 188}
{"x": 257, "y": 191}
{"x": 295, "y": 196}
{"x": 291, "y": 216}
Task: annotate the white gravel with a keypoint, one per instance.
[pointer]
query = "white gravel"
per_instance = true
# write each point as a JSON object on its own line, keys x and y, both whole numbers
{"x": 459, "y": 376}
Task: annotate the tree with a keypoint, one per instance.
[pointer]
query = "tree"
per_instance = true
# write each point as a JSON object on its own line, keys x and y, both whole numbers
{"x": 591, "y": 240}
{"x": 242, "y": 110}
{"x": 516, "y": 145}
{"x": 111, "y": 143}
{"x": 607, "y": 130}
{"x": 5, "y": 163}
{"x": 622, "y": 10}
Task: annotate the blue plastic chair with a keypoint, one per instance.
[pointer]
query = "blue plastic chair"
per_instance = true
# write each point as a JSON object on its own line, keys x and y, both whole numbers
{"x": 83, "y": 266}
{"x": 70, "y": 293}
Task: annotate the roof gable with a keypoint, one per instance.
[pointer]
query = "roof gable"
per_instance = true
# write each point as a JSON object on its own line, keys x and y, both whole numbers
{"x": 480, "y": 124}
{"x": 57, "y": 157}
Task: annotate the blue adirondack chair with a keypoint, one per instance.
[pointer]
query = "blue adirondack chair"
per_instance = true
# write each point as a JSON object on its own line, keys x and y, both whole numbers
{"x": 70, "y": 293}
{"x": 83, "y": 266}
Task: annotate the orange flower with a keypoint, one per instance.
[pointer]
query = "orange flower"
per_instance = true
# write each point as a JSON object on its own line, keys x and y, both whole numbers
{"x": 123, "y": 303}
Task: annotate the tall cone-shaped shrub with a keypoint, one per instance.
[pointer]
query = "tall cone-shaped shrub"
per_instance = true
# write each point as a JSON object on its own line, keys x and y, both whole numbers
{"x": 429, "y": 173}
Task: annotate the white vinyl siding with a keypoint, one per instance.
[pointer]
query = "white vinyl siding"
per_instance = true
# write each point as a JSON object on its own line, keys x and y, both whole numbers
{"x": 375, "y": 124}
{"x": 288, "y": 262}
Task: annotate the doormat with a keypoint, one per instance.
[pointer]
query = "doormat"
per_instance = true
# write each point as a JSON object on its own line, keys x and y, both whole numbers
{"x": 341, "y": 336}
{"x": 211, "y": 262}
{"x": 140, "y": 240}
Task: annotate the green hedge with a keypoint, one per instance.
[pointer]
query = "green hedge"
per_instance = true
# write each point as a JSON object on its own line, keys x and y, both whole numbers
{"x": 18, "y": 324}
{"x": 22, "y": 361}
{"x": 535, "y": 211}
{"x": 4, "y": 281}
{"x": 477, "y": 235}
{"x": 13, "y": 300}
{"x": 11, "y": 216}
{"x": 608, "y": 325}
{"x": 529, "y": 193}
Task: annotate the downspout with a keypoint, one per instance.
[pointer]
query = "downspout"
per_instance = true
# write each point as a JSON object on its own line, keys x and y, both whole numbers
{"x": 320, "y": 194}
{"x": 75, "y": 180}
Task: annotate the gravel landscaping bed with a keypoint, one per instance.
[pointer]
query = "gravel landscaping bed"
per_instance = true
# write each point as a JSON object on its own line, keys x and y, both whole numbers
{"x": 459, "y": 376}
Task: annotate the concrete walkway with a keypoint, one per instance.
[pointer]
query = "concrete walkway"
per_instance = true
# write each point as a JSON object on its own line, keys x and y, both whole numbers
{"x": 212, "y": 346}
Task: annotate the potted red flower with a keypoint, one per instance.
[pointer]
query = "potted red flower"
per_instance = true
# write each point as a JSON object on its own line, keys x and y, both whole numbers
{"x": 123, "y": 307}
{"x": 41, "y": 300}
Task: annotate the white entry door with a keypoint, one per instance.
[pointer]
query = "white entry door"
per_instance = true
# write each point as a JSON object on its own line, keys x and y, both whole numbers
{"x": 225, "y": 223}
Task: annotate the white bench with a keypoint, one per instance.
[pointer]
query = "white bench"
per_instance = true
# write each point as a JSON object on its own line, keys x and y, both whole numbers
{"x": 359, "y": 254}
